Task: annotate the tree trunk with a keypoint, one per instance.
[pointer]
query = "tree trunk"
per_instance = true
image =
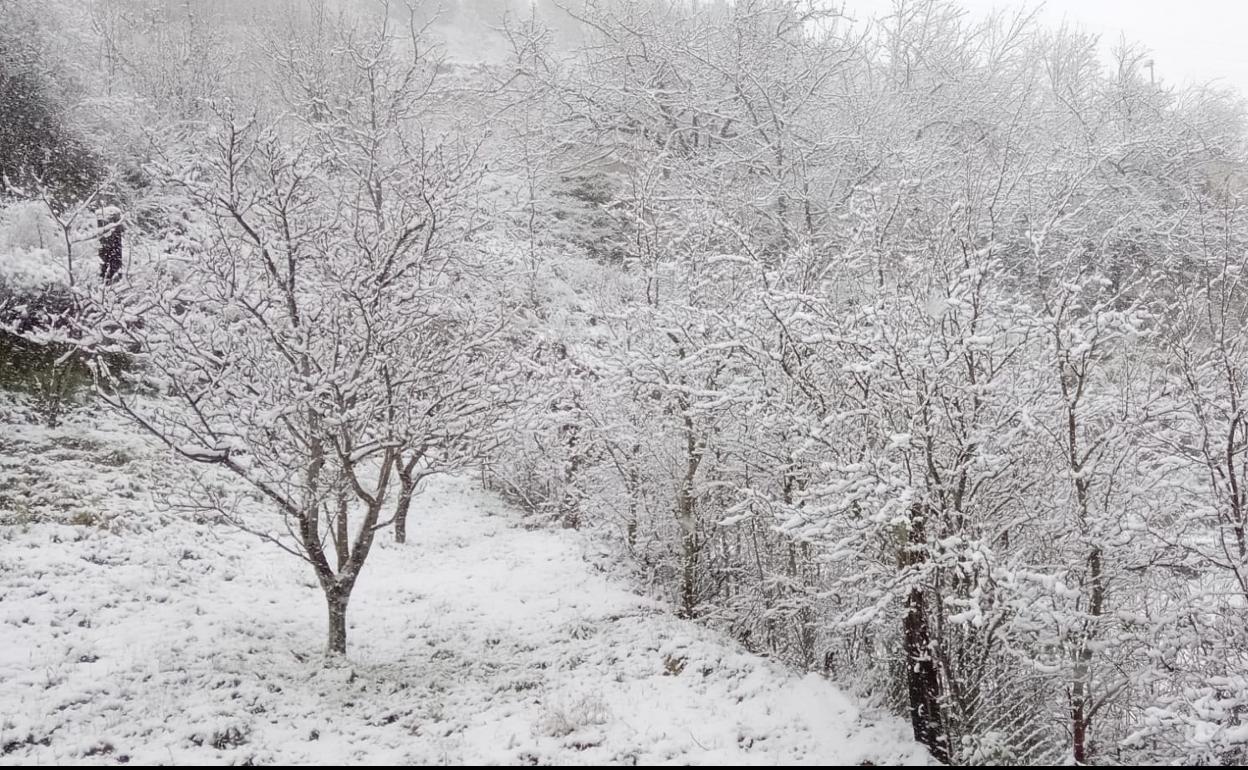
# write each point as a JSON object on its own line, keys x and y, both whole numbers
{"x": 922, "y": 676}
{"x": 407, "y": 489}
{"x": 400, "y": 528}
{"x": 633, "y": 480}
{"x": 337, "y": 600}
{"x": 1080, "y": 714}
{"x": 1080, "y": 724}
{"x": 687, "y": 517}
{"x": 689, "y": 577}
{"x": 342, "y": 534}
{"x": 570, "y": 501}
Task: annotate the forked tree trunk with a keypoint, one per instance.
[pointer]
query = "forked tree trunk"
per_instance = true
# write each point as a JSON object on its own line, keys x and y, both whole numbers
{"x": 338, "y": 586}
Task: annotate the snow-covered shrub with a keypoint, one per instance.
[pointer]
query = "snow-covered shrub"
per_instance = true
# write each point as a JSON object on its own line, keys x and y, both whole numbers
{"x": 48, "y": 269}
{"x": 564, "y": 717}
{"x": 36, "y": 309}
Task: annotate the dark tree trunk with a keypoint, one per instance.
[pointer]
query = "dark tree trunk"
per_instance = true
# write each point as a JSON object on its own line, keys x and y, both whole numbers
{"x": 400, "y": 529}
{"x": 342, "y": 534}
{"x": 407, "y": 488}
{"x": 1080, "y": 713}
{"x": 922, "y": 679}
{"x": 922, "y": 676}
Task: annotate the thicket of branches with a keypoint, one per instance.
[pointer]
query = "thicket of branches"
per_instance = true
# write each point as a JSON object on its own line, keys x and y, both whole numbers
{"x": 910, "y": 353}
{"x": 918, "y": 361}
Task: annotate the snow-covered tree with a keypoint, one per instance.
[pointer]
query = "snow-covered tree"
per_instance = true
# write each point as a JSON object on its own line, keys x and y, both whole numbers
{"x": 327, "y": 345}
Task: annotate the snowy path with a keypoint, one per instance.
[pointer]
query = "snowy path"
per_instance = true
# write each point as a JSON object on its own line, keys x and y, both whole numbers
{"x": 480, "y": 642}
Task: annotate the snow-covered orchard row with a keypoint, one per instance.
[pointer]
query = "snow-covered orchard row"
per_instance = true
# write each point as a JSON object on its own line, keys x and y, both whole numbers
{"x": 139, "y": 636}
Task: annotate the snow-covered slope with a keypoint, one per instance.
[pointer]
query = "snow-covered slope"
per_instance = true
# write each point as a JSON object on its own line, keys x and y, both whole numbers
{"x": 161, "y": 640}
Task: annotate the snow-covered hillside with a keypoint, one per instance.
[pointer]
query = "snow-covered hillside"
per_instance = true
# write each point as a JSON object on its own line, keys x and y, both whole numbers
{"x": 139, "y": 636}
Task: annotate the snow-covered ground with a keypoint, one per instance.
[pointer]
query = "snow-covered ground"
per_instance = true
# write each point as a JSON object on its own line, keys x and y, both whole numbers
{"x": 139, "y": 636}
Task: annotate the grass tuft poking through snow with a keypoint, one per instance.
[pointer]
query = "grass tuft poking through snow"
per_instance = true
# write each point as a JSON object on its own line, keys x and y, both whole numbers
{"x": 131, "y": 635}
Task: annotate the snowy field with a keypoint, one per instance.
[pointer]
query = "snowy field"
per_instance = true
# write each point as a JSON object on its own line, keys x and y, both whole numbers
{"x": 134, "y": 635}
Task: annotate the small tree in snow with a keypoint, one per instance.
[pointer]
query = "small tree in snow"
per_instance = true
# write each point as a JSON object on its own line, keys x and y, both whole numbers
{"x": 324, "y": 347}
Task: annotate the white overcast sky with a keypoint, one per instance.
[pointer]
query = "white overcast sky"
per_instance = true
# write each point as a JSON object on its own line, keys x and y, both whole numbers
{"x": 1191, "y": 40}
